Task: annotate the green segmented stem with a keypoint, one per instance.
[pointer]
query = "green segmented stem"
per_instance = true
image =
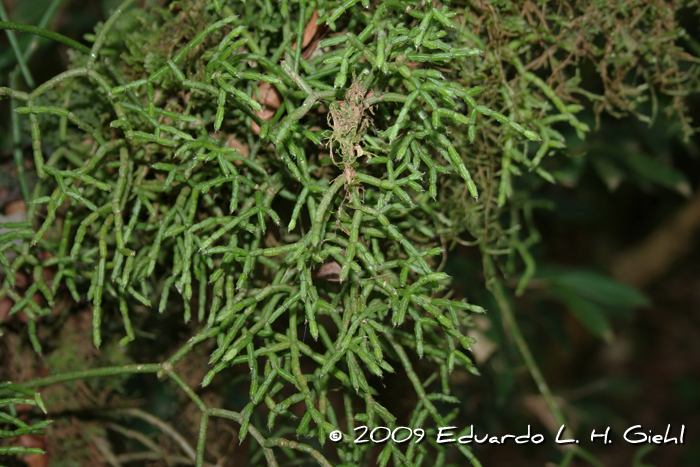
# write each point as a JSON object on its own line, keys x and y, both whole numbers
{"x": 38, "y": 31}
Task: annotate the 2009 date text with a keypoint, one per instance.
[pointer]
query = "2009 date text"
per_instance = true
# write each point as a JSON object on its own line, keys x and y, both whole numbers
{"x": 380, "y": 434}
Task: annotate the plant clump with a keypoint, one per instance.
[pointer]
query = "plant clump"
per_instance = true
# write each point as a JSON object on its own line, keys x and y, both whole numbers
{"x": 193, "y": 195}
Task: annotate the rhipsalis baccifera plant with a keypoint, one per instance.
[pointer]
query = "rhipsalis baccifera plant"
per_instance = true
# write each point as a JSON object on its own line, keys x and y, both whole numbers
{"x": 288, "y": 179}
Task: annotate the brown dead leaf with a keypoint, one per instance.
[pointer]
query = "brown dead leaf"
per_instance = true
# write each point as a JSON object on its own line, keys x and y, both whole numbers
{"x": 269, "y": 96}
{"x": 232, "y": 142}
{"x": 15, "y": 207}
{"x": 309, "y": 31}
{"x": 311, "y": 48}
{"x": 313, "y": 33}
{"x": 330, "y": 272}
{"x": 271, "y": 101}
{"x": 21, "y": 280}
{"x": 5, "y": 307}
{"x": 47, "y": 273}
{"x": 266, "y": 115}
{"x": 33, "y": 441}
